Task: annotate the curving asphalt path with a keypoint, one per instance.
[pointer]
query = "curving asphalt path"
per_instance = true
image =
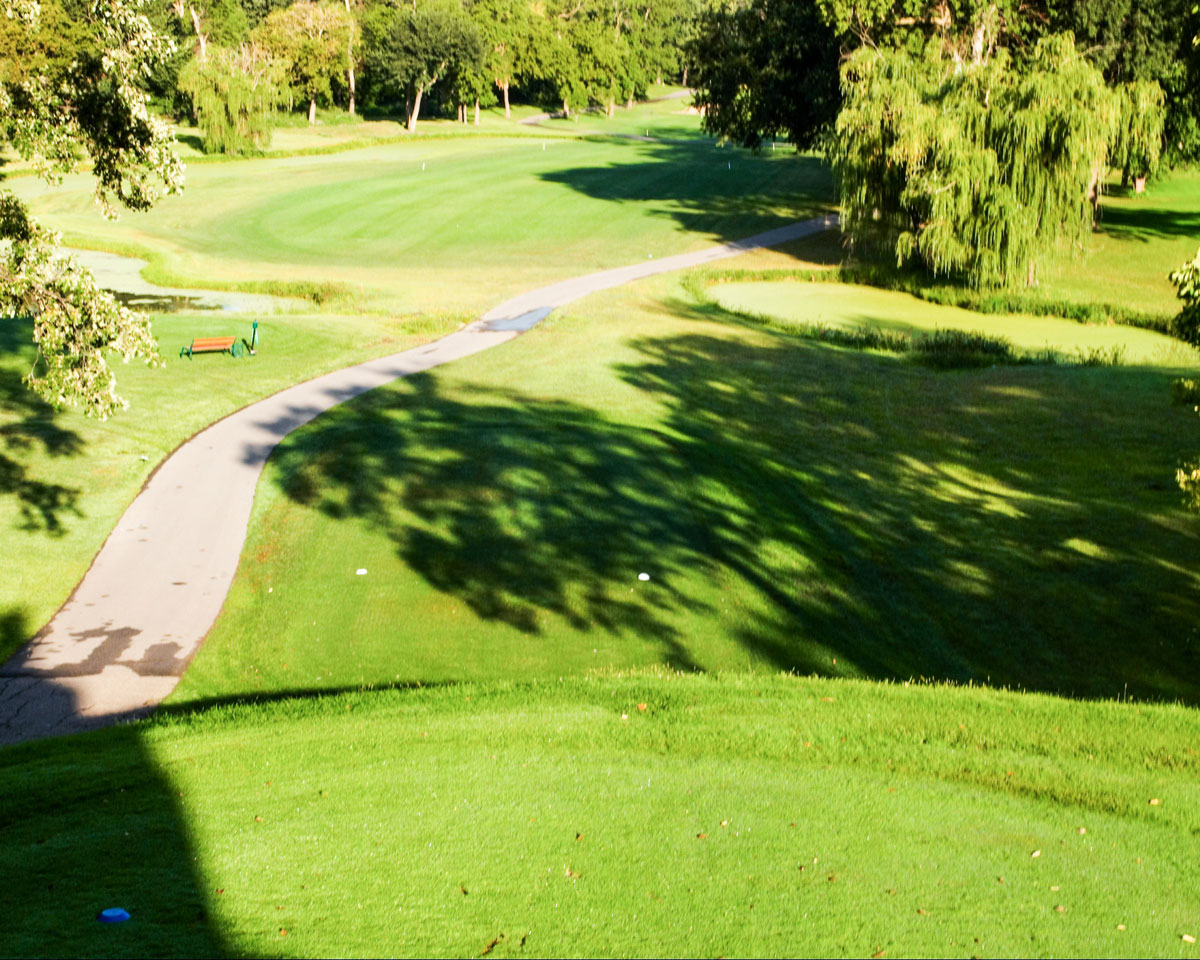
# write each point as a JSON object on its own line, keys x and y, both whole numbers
{"x": 120, "y": 643}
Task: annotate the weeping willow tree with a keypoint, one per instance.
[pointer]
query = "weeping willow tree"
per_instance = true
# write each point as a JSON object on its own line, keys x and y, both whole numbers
{"x": 235, "y": 94}
{"x": 975, "y": 169}
{"x": 1137, "y": 146}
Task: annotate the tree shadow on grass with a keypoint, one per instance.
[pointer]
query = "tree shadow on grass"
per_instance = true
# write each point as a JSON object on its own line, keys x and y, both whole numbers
{"x": 1143, "y": 222}
{"x": 1014, "y": 526}
{"x": 29, "y": 428}
{"x": 92, "y": 823}
{"x": 726, "y": 193}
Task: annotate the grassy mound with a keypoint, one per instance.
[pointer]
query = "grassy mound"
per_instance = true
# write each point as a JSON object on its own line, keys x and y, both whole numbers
{"x": 615, "y": 815}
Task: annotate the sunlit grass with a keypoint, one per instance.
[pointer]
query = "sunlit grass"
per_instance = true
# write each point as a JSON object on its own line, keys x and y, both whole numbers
{"x": 848, "y": 308}
{"x": 615, "y": 815}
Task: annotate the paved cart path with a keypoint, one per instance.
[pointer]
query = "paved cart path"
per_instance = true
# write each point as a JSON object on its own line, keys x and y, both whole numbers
{"x": 118, "y": 646}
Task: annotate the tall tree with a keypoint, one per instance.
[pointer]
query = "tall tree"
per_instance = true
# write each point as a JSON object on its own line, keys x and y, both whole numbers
{"x": 410, "y": 51}
{"x": 763, "y": 69}
{"x": 315, "y": 38}
{"x": 1137, "y": 145}
{"x": 63, "y": 94}
{"x": 504, "y": 28}
{"x": 235, "y": 94}
{"x": 975, "y": 171}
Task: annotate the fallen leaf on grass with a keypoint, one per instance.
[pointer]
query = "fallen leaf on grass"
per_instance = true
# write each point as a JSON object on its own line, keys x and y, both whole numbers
{"x": 570, "y": 874}
{"x": 1154, "y": 801}
{"x": 1187, "y": 938}
{"x": 878, "y": 953}
{"x": 923, "y": 913}
{"x": 641, "y": 706}
{"x": 283, "y": 931}
{"x": 1060, "y": 909}
{"x": 462, "y": 889}
{"x": 258, "y": 819}
{"x": 1082, "y": 831}
{"x": 220, "y": 890}
{"x": 1036, "y": 853}
{"x": 491, "y": 946}
{"x": 702, "y": 836}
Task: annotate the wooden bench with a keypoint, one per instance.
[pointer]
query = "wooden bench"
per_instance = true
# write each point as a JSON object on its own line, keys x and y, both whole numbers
{"x": 210, "y": 345}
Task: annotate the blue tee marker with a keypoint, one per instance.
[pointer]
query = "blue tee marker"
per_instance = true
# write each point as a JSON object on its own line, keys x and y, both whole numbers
{"x": 113, "y": 915}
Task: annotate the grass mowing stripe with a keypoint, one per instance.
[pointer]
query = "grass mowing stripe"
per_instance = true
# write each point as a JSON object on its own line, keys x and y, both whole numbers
{"x": 750, "y": 815}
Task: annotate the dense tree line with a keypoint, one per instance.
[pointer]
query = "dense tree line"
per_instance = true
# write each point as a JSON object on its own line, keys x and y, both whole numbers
{"x": 968, "y": 136}
{"x": 451, "y": 57}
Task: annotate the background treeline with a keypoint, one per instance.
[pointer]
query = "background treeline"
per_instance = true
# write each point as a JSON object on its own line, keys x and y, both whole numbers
{"x": 771, "y": 67}
{"x": 237, "y": 61}
{"x": 969, "y": 138}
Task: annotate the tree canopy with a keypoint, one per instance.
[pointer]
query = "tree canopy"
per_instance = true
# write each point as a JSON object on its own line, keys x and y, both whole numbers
{"x": 80, "y": 95}
{"x": 314, "y": 39}
{"x": 976, "y": 172}
{"x": 234, "y": 94}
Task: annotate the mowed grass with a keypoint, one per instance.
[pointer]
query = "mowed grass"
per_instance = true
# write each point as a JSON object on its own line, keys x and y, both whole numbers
{"x": 454, "y": 223}
{"x": 65, "y": 478}
{"x": 795, "y": 506}
{"x": 413, "y": 253}
{"x": 848, "y": 308}
{"x": 616, "y": 815}
{"x": 1138, "y": 242}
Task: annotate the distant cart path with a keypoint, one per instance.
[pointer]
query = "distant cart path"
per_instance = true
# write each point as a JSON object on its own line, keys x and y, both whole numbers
{"x": 120, "y": 643}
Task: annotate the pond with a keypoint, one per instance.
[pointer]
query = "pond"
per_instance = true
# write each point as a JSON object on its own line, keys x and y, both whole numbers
{"x": 123, "y": 277}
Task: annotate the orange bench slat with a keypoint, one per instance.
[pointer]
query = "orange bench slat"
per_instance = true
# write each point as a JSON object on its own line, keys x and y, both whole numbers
{"x": 213, "y": 343}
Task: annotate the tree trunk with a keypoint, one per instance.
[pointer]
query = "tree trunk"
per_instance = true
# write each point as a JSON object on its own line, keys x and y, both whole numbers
{"x": 312, "y": 110}
{"x": 504, "y": 87}
{"x": 416, "y": 108}
{"x": 476, "y": 111}
{"x": 462, "y": 113}
{"x": 350, "y": 56}
{"x": 200, "y": 37}
{"x": 1094, "y": 191}
{"x": 629, "y": 103}
{"x": 612, "y": 108}
{"x": 566, "y": 108}
{"x": 685, "y": 75}
{"x": 1031, "y": 274}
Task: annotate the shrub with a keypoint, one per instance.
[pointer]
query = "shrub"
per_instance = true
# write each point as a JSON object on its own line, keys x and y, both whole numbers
{"x": 1100, "y": 356}
{"x": 1186, "y": 325}
{"x": 955, "y": 349}
{"x": 1185, "y": 392}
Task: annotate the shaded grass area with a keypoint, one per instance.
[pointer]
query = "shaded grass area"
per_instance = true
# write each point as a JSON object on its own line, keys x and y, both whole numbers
{"x": 796, "y": 506}
{"x": 65, "y": 479}
{"x": 612, "y": 815}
